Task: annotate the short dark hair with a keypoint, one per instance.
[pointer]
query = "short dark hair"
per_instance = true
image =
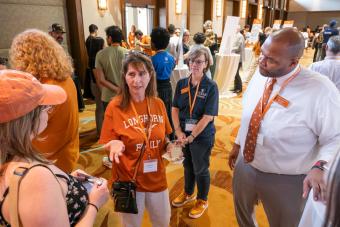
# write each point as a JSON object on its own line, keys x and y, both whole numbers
{"x": 171, "y": 29}
{"x": 199, "y": 38}
{"x": 93, "y": 28}
{"x": 160, "y": 38}
{"x": 115, "y": 33}
{"x": 139, "y": 32}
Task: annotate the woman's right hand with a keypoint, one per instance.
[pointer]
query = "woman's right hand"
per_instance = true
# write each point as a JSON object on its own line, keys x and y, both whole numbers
{"x": 99, "y": 193}
{"x": 181, "y": 137}
{"x": 116, "y": 149}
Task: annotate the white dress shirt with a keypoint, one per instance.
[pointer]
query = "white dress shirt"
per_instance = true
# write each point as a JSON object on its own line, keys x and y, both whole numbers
{"x": 291, "y": 139}
{"x": 172, "y": 46}
{"x": 329, "y": 67}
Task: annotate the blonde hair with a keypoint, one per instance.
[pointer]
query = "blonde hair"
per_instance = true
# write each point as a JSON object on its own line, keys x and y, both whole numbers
{"x": 36, "y": 52}
{"x": 15, "y": 138}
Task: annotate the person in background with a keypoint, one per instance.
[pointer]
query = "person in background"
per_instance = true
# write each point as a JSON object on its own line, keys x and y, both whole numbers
{"x": 173, "y": 43}
{"x": 195, "y": 105}
{"x": 57, "y": 31}
{"x": 143, "y": 43}
{"x": 93, "y": 45}
{"x": 199, "y": 39}
{"x": 316, "y": 42}
{"x": 327, "y": 33}
{"x": 3, "y": 63}
{"x": 330, "y": 67}
{"x": 238, "y": 48}
{"x": 211, "y": 42}
{"x": 178, "y": 32}
{"x": 36, "y": 52}
{"x": 59, "y": 199}
{"x": 134, "y": 120}
{"x": 306, "y": 37}
{"x": 186, "y": 41}
{"x": 132, "y": 37}
{"x": 109, "y": 64}
{"x": 246, "y": 30}
{"x": 163, "y": 63}
{"x": 277, "y": 107}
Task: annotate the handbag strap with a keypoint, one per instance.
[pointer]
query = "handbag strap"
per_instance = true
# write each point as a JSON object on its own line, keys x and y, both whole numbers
{"x": 137, "y": 163}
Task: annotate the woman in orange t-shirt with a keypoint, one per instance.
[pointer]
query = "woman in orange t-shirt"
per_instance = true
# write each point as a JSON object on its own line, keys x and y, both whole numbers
{"x": 131, "y": 37}
{"x": 133, "y": 118}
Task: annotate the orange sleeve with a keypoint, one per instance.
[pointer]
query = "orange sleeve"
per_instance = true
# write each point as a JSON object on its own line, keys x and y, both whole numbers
{"x": 108, "y": 133}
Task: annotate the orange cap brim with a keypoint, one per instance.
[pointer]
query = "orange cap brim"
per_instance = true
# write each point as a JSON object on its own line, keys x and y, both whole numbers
{"x": 54, "y": 95}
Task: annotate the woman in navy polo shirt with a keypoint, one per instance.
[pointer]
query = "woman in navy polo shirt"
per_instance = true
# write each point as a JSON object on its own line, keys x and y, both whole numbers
{"x": 194, "y": 106}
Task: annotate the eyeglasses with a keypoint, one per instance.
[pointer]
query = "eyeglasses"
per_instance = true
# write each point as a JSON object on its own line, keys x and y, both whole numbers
{"x": 197, "y": 62}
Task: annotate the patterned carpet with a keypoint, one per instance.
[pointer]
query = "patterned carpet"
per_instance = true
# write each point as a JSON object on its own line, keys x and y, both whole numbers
{"x": 221, "y": 209}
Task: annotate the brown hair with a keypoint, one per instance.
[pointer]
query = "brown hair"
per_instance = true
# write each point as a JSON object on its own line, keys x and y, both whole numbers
{"x": 36, "y": 52}
{"x": 15, "y": 138}
{"x": 197, "y": 53}
{"x": 137, "y": 60}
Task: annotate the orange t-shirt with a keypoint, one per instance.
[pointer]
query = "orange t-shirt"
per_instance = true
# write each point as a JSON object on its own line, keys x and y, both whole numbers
{"x": 60, "y": 140}
{"x": 131, "y": 40}
{"x": 147, "y": 40}
{"x": 122, "y": 125}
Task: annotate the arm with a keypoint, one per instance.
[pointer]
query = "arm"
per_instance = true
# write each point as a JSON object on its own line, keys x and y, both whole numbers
{"x": 178, "y": 131}
{"x": 100, "y": 78}
{"x": 49, "y": 202}
{"x": 200, "y": 127}
{"x": 327, "y": 128}
{"x": 98, "y": 196}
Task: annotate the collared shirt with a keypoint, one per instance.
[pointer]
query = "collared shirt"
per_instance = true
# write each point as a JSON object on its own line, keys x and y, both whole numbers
{"x": 291, "y": 139}
{"x": 206, "y": 103}
{"x": 164, "y": 63}
{"x": 329, "y": 67}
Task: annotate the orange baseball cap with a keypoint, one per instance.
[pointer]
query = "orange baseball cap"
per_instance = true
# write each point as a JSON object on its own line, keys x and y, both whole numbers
{"x": 20, "y": 93}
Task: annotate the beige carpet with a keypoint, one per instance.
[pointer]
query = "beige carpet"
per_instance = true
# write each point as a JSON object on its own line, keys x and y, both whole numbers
{"x": 221, "y": 209}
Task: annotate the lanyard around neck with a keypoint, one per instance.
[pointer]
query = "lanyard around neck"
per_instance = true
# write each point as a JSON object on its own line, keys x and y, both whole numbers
{"x": 284, "y": 85}
{"x": 192, "y": 105}
{"x": 145, "y": 132}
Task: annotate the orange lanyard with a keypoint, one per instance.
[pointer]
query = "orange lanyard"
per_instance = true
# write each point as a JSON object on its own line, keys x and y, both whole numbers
{"x": 146, "y": 133}
{"x": 192, "y": 105}
{"x": 285, "y": 83}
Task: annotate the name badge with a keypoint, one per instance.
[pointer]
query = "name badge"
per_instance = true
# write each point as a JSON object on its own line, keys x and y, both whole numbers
{"x": 282, "y": 101}
{"x": 190, "y": 124}
{"x": 150, "y": 166}
{"x": 184, "y": 90}
{"x": 260, "y": 139}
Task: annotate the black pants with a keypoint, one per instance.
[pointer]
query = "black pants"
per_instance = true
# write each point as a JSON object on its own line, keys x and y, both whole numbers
{"x": 315, "y": 54}
{"x": 165, "y": 93}
{"x": 87, "y": 84}
{"x": 196, "y": 166}
{"x": 81, "y": 105}
{"x": 238, "y": 81}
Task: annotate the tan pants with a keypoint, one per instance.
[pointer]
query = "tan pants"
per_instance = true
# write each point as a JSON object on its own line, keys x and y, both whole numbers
{"x": 158, "y": 206}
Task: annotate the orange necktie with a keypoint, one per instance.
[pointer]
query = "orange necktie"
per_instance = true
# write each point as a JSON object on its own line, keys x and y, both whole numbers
{"x": 255, "y": 123}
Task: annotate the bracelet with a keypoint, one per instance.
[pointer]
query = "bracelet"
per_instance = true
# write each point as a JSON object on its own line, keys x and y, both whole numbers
{"x": 93, "y": 206}
{"x": 319, "y": 165}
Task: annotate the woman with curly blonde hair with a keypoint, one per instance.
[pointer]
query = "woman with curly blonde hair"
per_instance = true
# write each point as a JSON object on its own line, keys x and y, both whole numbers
{"x": 37, "y": 53}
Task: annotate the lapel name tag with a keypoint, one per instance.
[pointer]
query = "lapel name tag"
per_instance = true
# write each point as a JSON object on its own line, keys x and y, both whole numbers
{"x": 282, "y": 101}
{"x": 185, "y": 90}
{"x": 190, "y": 124}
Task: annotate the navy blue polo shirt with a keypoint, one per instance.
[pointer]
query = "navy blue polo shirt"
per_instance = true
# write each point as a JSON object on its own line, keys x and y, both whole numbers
{"x": 206, "y": 103}
{"x": 329, "y": 32}
{"x": 164, "y": 63}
